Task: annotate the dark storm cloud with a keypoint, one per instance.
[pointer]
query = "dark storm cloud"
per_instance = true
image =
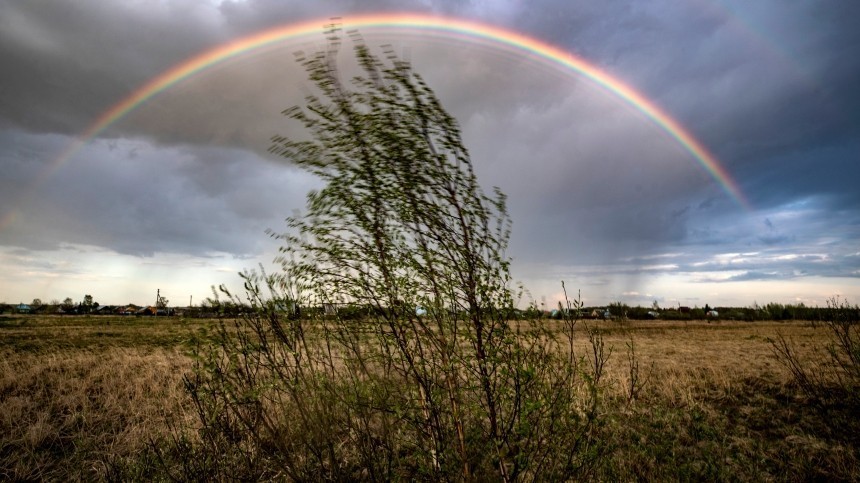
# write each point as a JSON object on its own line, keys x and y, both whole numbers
{"x": 770, "y": 88}
{"x": 802, "y": 239}
{"x": 140, "y": 199}
{"x": 66, "y": 62}
{"x": 769, "y": 83}
{"x": 731, "y": 267}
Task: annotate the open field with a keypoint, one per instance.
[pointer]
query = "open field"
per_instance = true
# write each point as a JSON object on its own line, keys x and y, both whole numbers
{"x": 79, "y": 395}
{"x": 78, "y": 391}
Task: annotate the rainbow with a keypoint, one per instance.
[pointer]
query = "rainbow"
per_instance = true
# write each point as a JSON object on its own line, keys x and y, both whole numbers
{"x": 422, "y": 23}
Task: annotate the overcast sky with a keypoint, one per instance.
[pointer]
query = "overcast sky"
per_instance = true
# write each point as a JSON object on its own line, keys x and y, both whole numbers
{"x": 177, "y": 195}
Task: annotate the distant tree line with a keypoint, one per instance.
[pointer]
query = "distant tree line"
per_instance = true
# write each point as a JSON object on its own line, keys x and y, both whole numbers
{"x": 214, "y": 308}
{"x": 756, "y": 312}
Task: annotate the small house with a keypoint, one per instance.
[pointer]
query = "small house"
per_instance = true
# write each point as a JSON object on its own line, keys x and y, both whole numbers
{"x": 601, "y": 314}
{"x": 130, "y": 309}
{"x": 105, "y": 309}
{"x": 150, "y": 310}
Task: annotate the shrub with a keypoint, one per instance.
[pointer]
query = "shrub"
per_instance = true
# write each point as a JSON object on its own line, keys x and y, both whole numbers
{"x": 460, "y": 392}
{"x": 836, "y": 380}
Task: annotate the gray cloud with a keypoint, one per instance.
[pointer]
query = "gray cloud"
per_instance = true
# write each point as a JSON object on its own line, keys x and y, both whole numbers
{"x": 595, "y": 188}
{"x": 137, "y": 198}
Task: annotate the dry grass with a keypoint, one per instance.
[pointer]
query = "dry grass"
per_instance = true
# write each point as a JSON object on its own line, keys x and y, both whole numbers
{"x": 689, "y": 356}
{"x": 719, "y": 406}
{"x": 76, "y": 393}
{"x": 79, "y": 393}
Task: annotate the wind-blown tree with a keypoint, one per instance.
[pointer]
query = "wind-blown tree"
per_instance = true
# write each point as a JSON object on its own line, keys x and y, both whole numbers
{"x": 452, "y": 391}
{"x": 402, "y": 223}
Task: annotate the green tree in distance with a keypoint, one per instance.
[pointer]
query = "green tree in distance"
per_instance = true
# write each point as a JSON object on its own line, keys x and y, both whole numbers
{"x": 162, "y": 302}
{"x": 87, "y": 304}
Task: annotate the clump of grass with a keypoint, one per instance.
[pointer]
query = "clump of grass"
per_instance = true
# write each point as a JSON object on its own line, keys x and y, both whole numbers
{"x": 67, "y": 413}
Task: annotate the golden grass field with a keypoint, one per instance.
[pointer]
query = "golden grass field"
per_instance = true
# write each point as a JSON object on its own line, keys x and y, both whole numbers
{"x": 78, "y": 394}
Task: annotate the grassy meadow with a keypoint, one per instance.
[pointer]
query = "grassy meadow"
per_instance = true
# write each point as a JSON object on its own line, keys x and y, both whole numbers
{"x": 82, "y": 398}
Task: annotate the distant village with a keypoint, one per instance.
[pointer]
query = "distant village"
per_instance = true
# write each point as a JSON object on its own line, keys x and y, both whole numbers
{"x": 614, "y": 311}
{"x": 96, "y": 309}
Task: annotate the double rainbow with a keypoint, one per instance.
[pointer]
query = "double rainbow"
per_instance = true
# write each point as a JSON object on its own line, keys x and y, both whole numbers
{"x": 434, "y": 25}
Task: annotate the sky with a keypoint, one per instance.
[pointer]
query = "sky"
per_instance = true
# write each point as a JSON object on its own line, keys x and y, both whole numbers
{"x": 177, "y": 194}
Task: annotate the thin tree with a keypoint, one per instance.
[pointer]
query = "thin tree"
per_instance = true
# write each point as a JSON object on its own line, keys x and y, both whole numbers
{"x": 378, "y": 389}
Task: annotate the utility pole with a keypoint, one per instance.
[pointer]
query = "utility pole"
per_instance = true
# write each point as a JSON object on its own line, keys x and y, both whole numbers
{"x": 157, "y": 297}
